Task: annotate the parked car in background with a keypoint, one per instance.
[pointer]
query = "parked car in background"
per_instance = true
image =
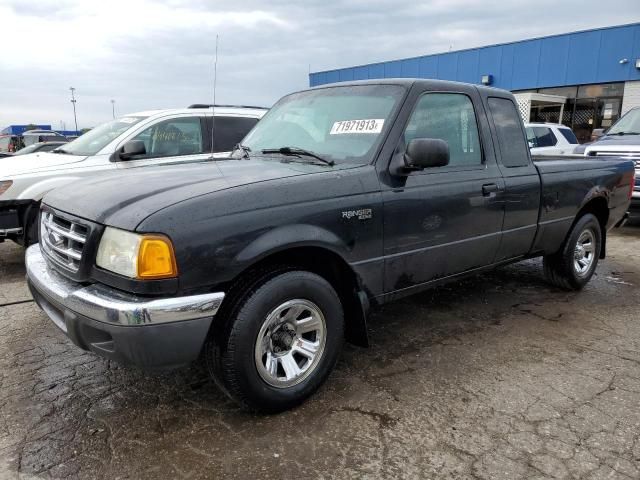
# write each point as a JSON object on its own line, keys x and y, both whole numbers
{"x": 38, "y": 136}
{"x": 10, "y": 143}
{"x": 344, "y": 196}
{"x": 39, "y": 147}
{"x": 621, "y": 140}
{"x": 136, "y": 140}
{"x": 550, "y": 139}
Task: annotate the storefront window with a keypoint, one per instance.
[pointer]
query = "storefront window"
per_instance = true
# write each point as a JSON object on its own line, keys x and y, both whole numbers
{"x": 586, "y": 107}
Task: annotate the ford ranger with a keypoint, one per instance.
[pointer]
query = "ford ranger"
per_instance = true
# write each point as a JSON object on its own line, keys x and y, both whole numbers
{"x": 343, "y": 197}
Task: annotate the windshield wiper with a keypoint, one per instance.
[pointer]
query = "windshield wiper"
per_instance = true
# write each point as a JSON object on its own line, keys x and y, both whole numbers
{"x": 244, "y": 148}
{"x": 60, "y": 150}
{"x": 298, "y": 152}
{"x": 625, "y": 133}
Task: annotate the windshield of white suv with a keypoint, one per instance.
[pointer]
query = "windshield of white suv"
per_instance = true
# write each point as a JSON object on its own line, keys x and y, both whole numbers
{"x": 96, "y": 139}
{"x": 339, "y": 124}
{"x": 629, "y": 124}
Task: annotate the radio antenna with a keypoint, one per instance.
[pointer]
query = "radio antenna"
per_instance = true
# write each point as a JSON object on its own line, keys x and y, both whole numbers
{"x": 213, "y": 106}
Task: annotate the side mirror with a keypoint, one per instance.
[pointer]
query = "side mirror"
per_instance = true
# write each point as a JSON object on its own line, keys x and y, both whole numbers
{"x": 426, "y": 153}
{"x": 131, "y": 149}
{"x": 531, "y": 144}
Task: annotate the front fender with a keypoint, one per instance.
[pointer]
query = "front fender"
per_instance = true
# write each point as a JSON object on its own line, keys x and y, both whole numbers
{"x": 291, "y": 236}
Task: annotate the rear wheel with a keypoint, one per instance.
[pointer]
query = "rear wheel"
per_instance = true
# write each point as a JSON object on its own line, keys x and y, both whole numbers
{"x": 279, "y": 343}
{"x": 573, "y": 266}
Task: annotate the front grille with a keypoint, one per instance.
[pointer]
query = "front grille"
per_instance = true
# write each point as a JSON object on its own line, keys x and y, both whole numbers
{"x": 62, "y": 240}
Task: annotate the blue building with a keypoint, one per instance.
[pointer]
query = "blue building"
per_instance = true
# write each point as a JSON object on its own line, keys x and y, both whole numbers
{"x": 583, "y": 79}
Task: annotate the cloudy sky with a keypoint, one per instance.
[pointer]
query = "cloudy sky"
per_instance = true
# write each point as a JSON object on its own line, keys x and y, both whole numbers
{"x": 150, "y": 54}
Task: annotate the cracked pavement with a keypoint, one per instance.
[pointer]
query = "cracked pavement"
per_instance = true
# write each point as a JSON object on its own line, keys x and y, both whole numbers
{"x": 497, "y": 376}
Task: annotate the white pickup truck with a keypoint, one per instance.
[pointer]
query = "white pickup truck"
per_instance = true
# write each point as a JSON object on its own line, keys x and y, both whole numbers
{"x": 139, "y": 139}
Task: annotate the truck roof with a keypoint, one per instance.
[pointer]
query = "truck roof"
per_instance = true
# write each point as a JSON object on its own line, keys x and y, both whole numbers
{"x": 408, "y": 82}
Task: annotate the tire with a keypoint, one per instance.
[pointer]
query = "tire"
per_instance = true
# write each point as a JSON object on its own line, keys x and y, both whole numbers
{"x": 572, "y": 267}
{"x": 263, "y": 328}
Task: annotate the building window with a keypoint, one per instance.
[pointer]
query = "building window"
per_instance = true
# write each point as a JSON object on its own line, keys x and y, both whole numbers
{"x": 587, "y": 107}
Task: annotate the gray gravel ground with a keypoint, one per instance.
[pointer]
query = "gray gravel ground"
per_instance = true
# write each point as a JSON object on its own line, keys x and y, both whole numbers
{"x": 499, "y": 376}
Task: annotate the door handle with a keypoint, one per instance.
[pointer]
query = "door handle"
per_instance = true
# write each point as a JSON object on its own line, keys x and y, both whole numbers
{"x": 489, "y": 188}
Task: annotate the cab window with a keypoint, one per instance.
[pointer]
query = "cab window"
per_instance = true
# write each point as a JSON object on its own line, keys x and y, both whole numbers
{"x": 449, "y": 117}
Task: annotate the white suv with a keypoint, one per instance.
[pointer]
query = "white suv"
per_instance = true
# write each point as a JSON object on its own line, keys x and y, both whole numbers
{"x": 139, "y": 139}
{"x": 550, "y": 139}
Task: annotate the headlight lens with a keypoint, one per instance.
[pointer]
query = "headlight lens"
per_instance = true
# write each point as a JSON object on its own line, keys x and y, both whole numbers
{"x": 145, "y": 257}
{"x": 4, "y": 185}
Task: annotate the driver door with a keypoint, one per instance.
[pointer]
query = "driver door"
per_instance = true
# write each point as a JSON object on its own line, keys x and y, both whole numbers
{"x": 442, "y": 221}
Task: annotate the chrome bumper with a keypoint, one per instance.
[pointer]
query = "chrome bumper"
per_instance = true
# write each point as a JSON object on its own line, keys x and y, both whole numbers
{"x": 104, "y": 304}
{"x": 10, "y": 231}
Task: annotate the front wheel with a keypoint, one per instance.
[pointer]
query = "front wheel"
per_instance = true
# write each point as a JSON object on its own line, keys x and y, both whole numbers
{"x": 280, "y": 342}
{"x": 573, "y": 266}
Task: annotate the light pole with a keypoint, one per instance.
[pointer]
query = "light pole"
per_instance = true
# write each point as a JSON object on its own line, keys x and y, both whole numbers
{"x": 113, "y": 108}
{"x": 73, "y": 102}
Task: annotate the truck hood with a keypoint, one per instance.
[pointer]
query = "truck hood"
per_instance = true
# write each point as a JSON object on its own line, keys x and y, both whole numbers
{"x": 617, "y": 141}
{"x": 34, "y": 162}
{"x": 125, "y": 198}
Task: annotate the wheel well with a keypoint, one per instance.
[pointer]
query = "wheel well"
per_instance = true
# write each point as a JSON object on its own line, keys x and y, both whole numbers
{"x": 598, "y": 207}
{"x": 332, "y": 268}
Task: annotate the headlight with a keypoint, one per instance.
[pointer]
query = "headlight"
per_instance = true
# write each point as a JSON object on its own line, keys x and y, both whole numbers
{"x": 4, "y": 185}
{"x": 145, "y": 257}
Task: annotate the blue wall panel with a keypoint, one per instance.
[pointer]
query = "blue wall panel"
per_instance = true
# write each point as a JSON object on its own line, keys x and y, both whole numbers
{"x": 346, "y": 74}
{"x": 506, "y": 67}
{"x": 489, "y": 63}
{"x": 410, "y": 68}
{"x": 393, "y": 69}
{"x": 360, "y": 73}
{"x": 376, "y": 70}
{"x": 525, "y": 64}
{"x": 428, "y": 67}
{"x": 468, "y": 66}
{"x": 633, "y": 72}
{"x": 447, "y": 66}
{"x": 581, "y": 64}
{"x": 577, "y": 58}
{"x": 553, "y": 61}
{"x": 614, "y": 45}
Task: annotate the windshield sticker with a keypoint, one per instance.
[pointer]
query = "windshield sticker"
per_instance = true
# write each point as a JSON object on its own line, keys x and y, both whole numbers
{"x": 128, "y": 120}
{"x": 371, "y": 125}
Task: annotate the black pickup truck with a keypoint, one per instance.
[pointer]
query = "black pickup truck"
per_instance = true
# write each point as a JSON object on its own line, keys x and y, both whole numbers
{"x": 341, "y": 198}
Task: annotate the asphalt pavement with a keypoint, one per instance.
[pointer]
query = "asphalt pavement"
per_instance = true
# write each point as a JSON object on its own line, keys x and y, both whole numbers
{"x": 498, "y": 376}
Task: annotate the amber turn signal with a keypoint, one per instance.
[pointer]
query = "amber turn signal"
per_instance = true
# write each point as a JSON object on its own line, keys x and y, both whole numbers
{"x": 156, "y": 258}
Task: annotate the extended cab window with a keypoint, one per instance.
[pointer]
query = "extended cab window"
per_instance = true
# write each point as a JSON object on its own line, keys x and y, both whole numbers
{"x": 450, "y": 117}
{"x": 178, "y": 136}
{"x": 513, "y": 149}
{"x": 229, "y": 131}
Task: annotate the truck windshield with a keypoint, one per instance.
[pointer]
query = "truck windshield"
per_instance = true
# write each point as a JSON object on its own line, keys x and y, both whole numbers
{"x": 96, "y": 139}
{"x": 342, "y": 124}
{"x": 628, "y": 124}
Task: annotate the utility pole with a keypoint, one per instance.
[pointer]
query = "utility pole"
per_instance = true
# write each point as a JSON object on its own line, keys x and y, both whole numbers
{"x": 73, "y": 102}
{"x": 113, "y": 108}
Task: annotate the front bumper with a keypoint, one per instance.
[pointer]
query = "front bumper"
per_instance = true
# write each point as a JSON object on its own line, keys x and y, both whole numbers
{"x": 160, "y": 332}
{"x": 10, "y": 225}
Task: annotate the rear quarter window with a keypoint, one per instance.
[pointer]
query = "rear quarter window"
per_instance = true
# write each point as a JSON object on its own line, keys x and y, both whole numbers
{"x": 569, "y": 135}
{"x": 228, "y": 131}
{"x": 514, "y": 151}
